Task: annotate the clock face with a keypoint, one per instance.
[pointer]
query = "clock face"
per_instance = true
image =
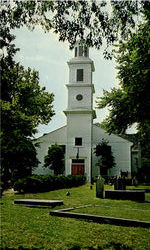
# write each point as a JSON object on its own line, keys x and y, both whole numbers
{"x": 79, "y": 97}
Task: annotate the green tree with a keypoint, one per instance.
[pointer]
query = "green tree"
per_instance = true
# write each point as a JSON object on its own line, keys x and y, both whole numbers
{"x": 96, "y": 22}
{"x": 55, "y": 159}
{"x": 106, "y": 159}
{"x": 24, "y": 105}
{"x": 18, "y": 157}
{"x": 130, "y": 103}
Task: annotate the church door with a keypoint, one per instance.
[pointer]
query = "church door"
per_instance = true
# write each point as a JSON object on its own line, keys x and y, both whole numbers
{"x": 78, "y": 167}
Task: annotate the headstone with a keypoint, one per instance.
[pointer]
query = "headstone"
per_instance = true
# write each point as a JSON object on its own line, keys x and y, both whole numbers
{"x": 116, "y": 184}
{"x": 120, "y": 184}
{"x": 134, "y": 181}
{"x": 134, "y": 195}
{"x": 99, "y": 187}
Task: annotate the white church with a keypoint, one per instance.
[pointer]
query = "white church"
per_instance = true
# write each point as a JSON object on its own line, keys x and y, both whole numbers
{"x": 80, "y": 136}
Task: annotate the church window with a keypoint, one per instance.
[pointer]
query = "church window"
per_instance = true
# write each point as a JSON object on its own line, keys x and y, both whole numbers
{"x": 79, "y": 75}
{"x": 80, "y": 50}
{"x": 76, "y": 52}
{"x": 78, "y": 141}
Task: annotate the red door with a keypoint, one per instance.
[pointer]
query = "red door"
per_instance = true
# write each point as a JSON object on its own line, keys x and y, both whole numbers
{"x": 77, "y": 169}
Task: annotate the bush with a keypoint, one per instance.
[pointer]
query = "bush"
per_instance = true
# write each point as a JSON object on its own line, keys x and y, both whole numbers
{"x": 45, "y": 183}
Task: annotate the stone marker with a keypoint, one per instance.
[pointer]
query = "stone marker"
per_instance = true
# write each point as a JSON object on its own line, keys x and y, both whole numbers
{"x": 120, "y": 184}
{"x": 38, "y": 202}
{"x": 134, "y": 195}
{"x": 99, "y": 187}
{"x": 100, "y": 219}
{"x": 134, "y": 181}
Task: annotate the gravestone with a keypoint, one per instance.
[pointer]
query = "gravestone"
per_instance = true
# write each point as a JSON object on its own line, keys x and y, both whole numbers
{"x": 100, "y": 187}
{"x": 38, "y": 202}
{"x": 134, "y": 195}
{"x": 120, "y": 184}
{"x": 134, "y": 181}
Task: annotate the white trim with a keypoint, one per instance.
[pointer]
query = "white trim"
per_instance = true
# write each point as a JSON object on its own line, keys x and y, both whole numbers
{"x": 81, "y": 85}
{"x": 92, "y": 112}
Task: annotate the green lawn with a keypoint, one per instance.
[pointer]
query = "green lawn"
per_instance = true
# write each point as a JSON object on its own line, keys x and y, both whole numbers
{"x": 126, "y": 212}
{"x": 34, "y": 228}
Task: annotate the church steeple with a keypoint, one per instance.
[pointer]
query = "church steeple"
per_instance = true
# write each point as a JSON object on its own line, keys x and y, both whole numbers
{"x": 79, "y": 112}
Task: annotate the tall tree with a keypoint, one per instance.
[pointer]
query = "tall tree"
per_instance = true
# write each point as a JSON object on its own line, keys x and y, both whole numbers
{"x": 24, "y": 105}
{"x": 130, "y": 103}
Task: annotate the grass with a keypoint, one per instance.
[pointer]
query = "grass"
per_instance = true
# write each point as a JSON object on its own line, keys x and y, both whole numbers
{"x": 34, "y": 228}
{"x": 126, "y": 212}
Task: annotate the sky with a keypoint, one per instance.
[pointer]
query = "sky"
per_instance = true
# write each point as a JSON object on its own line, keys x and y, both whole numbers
{"x": 44, "y": 53}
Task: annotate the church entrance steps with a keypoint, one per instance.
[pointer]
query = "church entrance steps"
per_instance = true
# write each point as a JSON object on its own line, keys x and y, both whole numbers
{"x": 37, "y": 202}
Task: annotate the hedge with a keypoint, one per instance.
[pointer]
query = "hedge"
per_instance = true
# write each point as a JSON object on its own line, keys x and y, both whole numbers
{"x": 45, "y": 183}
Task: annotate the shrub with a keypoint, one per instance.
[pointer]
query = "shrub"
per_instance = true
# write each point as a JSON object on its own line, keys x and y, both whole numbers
{"x": 45, "y": 183}
{"x": 55, "y": 159}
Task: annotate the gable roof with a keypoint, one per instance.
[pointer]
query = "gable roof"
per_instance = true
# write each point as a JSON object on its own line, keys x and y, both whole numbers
{"x": 55, "y": 136}
{"x": 112, "y": 138}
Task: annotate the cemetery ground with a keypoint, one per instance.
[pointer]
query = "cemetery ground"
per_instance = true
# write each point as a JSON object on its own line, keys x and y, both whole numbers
{"x": 34, "y": 228}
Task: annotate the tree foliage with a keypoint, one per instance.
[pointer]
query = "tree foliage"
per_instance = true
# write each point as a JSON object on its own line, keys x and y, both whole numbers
{"x": 18, "y": 157}
{"x": 95, "y": 22}
{"x": 24, "y": 100}
{"x": 55, "y": 159}
{"x": 24, "y": 105}
{"x": 131, "y": 102}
